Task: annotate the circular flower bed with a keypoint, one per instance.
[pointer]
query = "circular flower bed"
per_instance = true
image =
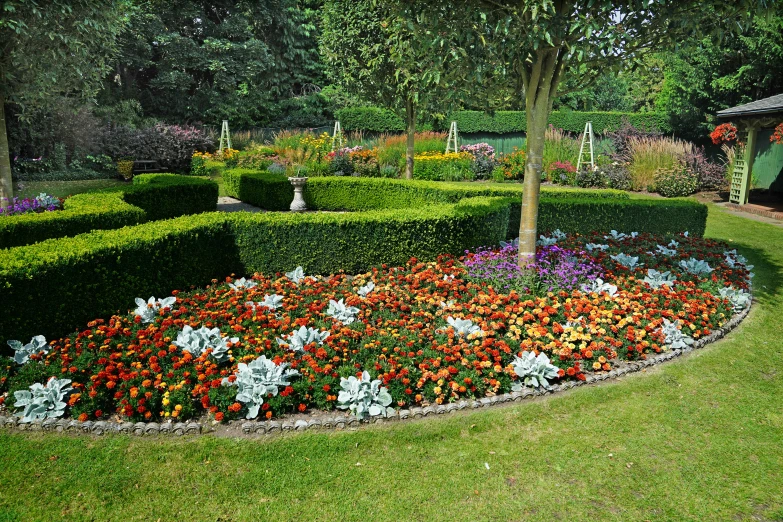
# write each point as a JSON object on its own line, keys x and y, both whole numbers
{"x": 396, "y": 337}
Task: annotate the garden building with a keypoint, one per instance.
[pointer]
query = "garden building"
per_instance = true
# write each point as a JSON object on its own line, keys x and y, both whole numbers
{"x": 760, "y": 164}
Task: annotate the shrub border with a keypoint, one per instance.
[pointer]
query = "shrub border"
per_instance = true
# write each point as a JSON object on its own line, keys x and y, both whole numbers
{"x": 341, "y": 422}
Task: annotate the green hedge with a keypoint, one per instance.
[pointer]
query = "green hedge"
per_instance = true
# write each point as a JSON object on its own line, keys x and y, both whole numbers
{"x": 658, "y": 216}
{"x": 60, "y": 284}
{"x": 57, "y": 285}
{"x": 261, "y": 189}
{"x": 375, "y": 119}
{"x": 150, "y": 197}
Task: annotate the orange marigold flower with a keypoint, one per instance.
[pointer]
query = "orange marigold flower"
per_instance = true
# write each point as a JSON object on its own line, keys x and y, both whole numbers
{"x": 83, "y": 417}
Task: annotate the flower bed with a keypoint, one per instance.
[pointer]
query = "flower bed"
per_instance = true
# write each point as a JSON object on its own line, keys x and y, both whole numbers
{"x": 425, "y": 333}
{"x": 41, "y": 203}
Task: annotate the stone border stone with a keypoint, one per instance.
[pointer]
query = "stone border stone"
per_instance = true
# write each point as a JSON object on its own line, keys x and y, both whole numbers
{"x": 337, "y": 422}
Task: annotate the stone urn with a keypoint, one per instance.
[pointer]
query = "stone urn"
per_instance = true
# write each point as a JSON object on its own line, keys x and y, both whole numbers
{"x": 298, "y": 204}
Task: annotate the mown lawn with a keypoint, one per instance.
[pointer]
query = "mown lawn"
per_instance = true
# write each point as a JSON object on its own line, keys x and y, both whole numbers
{"x": 697, "y": 439}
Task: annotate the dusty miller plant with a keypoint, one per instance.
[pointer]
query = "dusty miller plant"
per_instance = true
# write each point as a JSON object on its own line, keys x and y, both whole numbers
{"x": 302, "y": 337}
{"x": 533, "y": 371}
{"x": 461, "y": 327}
{"x": 674, "y": 338}
{"x": 657, "y": 279}
{"x": 257, "y": 380}
{"x": 364, "y": 397}
{"x": 147, "y": 311}
{"x": 43, "y": 402}
{"x": 739, "y": 299}
{"x": 242, "y": 284}
{"x": 22, "y": 352}
{"x": 199, "y": 341}
{"x": 339, "y": 311}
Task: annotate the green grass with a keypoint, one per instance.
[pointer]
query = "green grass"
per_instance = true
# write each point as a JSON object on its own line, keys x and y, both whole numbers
{"x": 697, "y": 439}
{"x": 61, "y": 189}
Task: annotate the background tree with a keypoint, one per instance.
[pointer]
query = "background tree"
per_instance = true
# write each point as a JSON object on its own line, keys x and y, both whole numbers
{"x": 380, "y": 55}
{"x": 542, "y": 44}
{"x": 191, "y": 60}
{"x": 705, "y": 75}
{"x": 56, "y": 47}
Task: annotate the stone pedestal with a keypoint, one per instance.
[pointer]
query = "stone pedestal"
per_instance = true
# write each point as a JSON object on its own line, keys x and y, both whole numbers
{"x": 298, "y": 204}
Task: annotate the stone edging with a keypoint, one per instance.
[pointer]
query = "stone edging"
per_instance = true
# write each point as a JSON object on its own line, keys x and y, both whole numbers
{"x": 342, "y": 422}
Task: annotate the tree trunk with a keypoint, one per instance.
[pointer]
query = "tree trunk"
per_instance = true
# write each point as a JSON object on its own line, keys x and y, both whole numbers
{"x": 410, "y": 116}
{"x": 528, "y": 224}
{"x": 6, "y": 184}
{"x": 541, "y": 78}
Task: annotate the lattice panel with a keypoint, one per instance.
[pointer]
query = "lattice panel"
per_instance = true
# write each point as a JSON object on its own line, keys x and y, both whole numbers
{"x": 739, "y": 173}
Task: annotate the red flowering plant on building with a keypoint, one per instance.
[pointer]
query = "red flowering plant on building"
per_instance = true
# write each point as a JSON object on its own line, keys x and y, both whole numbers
{"x": 401, "y": 329}
{"x": 724, "y": 133}
{"x": 777, "y": 135}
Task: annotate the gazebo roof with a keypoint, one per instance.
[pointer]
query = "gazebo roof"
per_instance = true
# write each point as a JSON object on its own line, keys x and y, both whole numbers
{"x": 771, "y": 105}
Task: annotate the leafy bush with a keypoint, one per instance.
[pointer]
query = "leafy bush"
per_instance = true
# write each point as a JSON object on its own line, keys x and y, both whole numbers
{"x": 171, "y": 145}
{"x": 711, "y": 175}
{"x": 589, "y": 178}
{"x": 365, "y": 163}
{"x": 371, "y": 119}
{"x": 484, "y": 161}
{"x": 512, "y": 165}
{"x": 618, "y": 176}
{"x": 364, "y": 397}
{"x": 562, "y": 172}
{"x": 675, "y": 182}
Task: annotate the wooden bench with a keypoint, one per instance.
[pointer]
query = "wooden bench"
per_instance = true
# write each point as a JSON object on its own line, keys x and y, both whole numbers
{"x": 143, "y": 166}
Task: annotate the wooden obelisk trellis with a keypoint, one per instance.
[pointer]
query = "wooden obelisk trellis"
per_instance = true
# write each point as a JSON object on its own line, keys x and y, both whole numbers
{"x": 743, "y": 166}
{"x": 451, "y": 142}
{"x": 225, "y": 137}
{"x": 337, "y": 136}
{"x": 586, "y": 154}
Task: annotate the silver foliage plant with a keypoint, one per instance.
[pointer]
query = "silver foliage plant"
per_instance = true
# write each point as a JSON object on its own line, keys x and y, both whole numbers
{"x": 662, "y": 250}
{"x": 302, "y": 337}
{"x": 733, "y": 259}
{"x": 272, "y": 302}
{"x": 627, "y": 261}
{"x": 22, "y": 352}
{"x": 556, "y": 236}
{"x": 657, "y": 279}
{"x": 365, "y": 290}
{"x": 462, "y": 327}
{"x": 514, "y": 243}
{"x": 599, "y": 286}
{"x": 364, "y": 397}
{"x": 296, "y": 275}
{"x": 739, "y": 299}
{"x": 242, "y": 284}
{"x": 43, "y": 402}
{"x": 199, "y": 341}
{"x": 619, "y": 236}
{"x": 148, "y": 310}
{"x": 257, "y": 380}
{"x": 695, "y": 266}
{"x": 339, "y": 311}
{"x": 674, "y": 338}
{"x": 533, "y": 371}
{"x": 595, "y": 246}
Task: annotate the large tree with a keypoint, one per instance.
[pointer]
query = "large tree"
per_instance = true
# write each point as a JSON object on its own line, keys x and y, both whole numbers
{"x": 208, "y": 60}
{"x": 381, "y": 55}
{"x": 539, "y": 44}
{"x": 48, "y": 48}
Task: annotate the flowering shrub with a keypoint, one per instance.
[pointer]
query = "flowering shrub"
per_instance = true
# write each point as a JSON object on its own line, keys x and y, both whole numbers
{"x": 724, "y": 133}
{"x": 365, "y": 163}
{"x": 171, "y": 145}
{"x": 676, "y": 182}
{"x": 198, "y": 163}
{"x": 439, "y": 166}
{"x": 777, "y": 135}
{"x": 484, "y": 161}
{"x": 430, "y": 333}
{"x": 512, "y": 165}
{"x": 562, "y": 172}
{"x": 41, "y": 203}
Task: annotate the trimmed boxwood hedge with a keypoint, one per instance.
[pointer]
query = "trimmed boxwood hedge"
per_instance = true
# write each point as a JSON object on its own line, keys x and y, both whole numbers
{"x": 375, "y": 119}
{"x": 150, "y": 197}
{"x": 61, "y": 283}
{"x": 259, "y": 188}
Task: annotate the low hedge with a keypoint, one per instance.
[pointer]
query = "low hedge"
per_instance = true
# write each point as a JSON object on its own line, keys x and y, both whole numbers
{"x": 61, "y": 283}
{"x": 375, "y": 119}
{"x": 259, "y": 188}
{"x": 150, "y": 197}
